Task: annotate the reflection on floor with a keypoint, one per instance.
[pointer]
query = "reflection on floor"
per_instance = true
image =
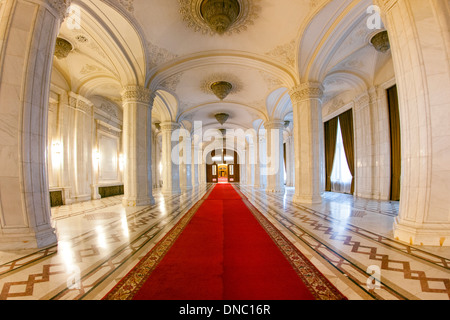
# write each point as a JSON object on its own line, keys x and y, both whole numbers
{"x": 350, "y": 241}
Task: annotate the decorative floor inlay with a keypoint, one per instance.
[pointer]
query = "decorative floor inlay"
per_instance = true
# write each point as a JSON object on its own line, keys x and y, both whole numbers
{"x": 405, "y": 270}
{"x": 100, "y": 241}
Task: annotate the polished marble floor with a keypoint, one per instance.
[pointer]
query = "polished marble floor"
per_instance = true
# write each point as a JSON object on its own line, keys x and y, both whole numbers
{"x": 349, "y": 240}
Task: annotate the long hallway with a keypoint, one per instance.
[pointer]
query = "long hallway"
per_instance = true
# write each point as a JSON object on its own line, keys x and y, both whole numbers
{"x": 347, "y": 239}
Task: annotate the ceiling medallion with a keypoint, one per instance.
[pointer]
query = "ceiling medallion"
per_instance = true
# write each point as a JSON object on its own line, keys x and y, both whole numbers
{"x": 221, "y": 89}
{"x": 381, "y": 42}
{"x": 220, "y": 14}
{"x": 222, "y": 118}
{"x": 62, "y": 48}
{"x": 212, "y": 16}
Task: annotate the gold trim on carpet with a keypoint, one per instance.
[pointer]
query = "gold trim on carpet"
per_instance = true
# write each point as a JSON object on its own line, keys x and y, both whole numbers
{"x": 319, "y": 286}
{"x": 129, "y": 286}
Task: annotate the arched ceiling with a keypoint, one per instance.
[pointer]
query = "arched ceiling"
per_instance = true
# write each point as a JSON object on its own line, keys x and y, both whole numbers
{"x": 160, "y": 44}
{"x": 257, "y": 58}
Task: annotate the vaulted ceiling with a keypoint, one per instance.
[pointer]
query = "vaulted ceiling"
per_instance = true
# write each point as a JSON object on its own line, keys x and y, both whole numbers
{"x": 165, "y": 45}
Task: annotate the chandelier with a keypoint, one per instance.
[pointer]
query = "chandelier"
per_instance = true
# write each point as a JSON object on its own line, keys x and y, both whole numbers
{"x": 381, "y": 42}
{"x": 62, "y": 48}
{"x": 222, "y": 117}
{"x": 221, "y": 89}
{"x": 220, "y": 15}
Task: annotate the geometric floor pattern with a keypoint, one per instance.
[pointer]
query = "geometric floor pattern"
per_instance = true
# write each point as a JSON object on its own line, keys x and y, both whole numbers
{"x": 348, "y": 239}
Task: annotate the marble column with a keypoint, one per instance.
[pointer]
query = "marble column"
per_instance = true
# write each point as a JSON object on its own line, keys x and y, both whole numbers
{"x": 28, "y": 31}
{"x": 243, "y": 164}
{"x": 362, "y": 114}
{"x": 275, "y": 169}
{"x": 171, "y": 170}
{"x": 290, "y": 160}
{"x": 257, "y": 165}
{"x": 185, "y": 162}
{"x": 262, "y": 146}
{"x": 202, "y": 173}
{"x": 195, "y": 161}
{"x": 420, "y": 44}
{"x": 250, "y": 165}
{"x": 156, "y": 159}
{"x": 137, "y": 143}
{"x": 308, "y": 142}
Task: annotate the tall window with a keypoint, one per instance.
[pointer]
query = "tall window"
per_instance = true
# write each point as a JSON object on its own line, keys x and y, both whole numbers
{"x": 341, "y": 177}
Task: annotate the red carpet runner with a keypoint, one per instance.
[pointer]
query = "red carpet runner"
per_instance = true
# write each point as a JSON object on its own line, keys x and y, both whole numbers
{"x": 224, "y": 249}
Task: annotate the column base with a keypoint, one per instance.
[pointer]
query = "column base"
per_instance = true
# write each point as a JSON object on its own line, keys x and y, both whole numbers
{"x": 138, "y": 202}
{"x": 307, "y": 199}
{"x": 13, "y": 240}
{"x": 422, "y": 235}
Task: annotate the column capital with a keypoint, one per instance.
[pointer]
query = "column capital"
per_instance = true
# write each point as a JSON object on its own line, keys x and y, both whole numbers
{"x": 134, "y": 93}
{"x": 59, "y": 7}
{"x": 274, "y": 124}
{"x": 169, "y": 126}
{"x": 306, "y": 91}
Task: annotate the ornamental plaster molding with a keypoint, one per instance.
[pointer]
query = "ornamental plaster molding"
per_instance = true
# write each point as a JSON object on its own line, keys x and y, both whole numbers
{"x": 306, "y": 91}
{"x": 362, "y": 101}
{"x": 169, "y": 126}
{"x": 157, "y": 55}
{"x": 60, "y": 7}
{"x": 78, "y": 104}
{"x": 137, "y": 94}
{"x": 128, "y": 5}
{"x": 89, "y": 68}
{"x": 336, "y": 104}
{"x": 109, "y": 109}
{"x": 271, "y": 81}
{"x": 275, "y": 124}
{"x": 172, "y": 82}
{"x": 285, "y": 53}
{"x": 190, "y": 12}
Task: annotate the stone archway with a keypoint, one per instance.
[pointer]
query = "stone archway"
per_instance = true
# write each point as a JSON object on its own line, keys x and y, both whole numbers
{"x": 27, "y": 27}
